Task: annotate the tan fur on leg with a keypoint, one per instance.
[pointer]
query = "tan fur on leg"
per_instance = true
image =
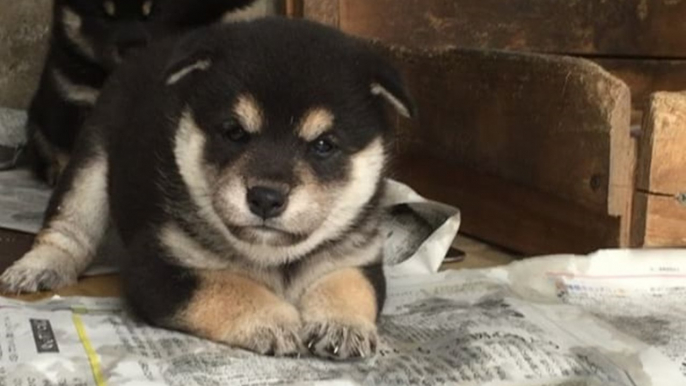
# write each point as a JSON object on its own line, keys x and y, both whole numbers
{"x": 339, "y": 312}
{"x": 238, "y": 311}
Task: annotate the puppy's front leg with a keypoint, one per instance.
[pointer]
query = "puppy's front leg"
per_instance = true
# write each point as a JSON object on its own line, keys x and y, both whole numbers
{"x": 75, "y": 223}
{"x": 339, "y": 312}
{"x": 232, "y": 309}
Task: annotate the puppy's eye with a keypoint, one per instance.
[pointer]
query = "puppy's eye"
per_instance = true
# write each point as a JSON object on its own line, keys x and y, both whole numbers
{"x": 323, "y": 147}
{"x": 110, "y": 8}
{"x": 146, "y": 9}
{"x": 234, "y": 132}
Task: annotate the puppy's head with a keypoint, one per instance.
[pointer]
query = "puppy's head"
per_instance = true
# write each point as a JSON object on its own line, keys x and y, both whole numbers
{"x": 282, "y": 137}
{"x": 106, "y": 31}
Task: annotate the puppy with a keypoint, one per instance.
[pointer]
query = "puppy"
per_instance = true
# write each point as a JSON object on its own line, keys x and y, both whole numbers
{"x": 242, "y": 167}
{"x": 89, "y": 39}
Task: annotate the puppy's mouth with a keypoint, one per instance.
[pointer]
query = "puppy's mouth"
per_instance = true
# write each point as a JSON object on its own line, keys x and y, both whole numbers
{"x": 266, "y": 235}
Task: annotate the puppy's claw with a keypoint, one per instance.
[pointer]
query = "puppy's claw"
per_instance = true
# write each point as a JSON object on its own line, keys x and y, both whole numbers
{"x": 275, "y": 332}
{"x": 20, "y": 280}
{"x": 42, "y": 268}
{"x": 341, "y": 341}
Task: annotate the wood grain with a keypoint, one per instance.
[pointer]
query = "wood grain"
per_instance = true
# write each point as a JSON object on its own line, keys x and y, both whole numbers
{"x": 662, "y": 154}
{"x": 323, "y": 11}
{"x": 556, "y": 125}
{"x": 646, "y": 76}
{"x": 588, "y": 27}
{"x": 507, "y": 214}
{"x": 660, "y": 217}
{"x": 664, "y": 224}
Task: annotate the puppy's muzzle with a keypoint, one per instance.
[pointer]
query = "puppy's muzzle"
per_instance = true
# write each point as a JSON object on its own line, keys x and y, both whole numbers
{"x": 266, "y": 202}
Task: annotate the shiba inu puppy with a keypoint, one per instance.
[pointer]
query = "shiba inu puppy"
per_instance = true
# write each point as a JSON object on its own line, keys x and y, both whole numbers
{"x": 242, "y": 166}
{"x": 89, "y": 39}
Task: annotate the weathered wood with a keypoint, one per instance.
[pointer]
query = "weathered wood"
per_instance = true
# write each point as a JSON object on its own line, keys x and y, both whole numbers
{"x": 323, "y": 11}
{"x": 556, "y": 125}
{"x": 589, "y": 27}
{"x": 558, "y": 128}
{"x": 662, "y": 149}
{"x": 660, "y": 223}
{"x": 646, "y": 76}
{"x": 507, "y": 214}
{"x": 660, "y": 211}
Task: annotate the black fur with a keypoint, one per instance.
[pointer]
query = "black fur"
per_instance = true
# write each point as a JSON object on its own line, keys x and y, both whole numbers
{"x": 58, "y": 119}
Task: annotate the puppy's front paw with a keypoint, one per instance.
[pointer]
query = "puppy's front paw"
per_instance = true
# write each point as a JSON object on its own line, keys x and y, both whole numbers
{"x": 340, "y": 339}
{"x": 274, "y": 331}
{"x": 41, "y": 269}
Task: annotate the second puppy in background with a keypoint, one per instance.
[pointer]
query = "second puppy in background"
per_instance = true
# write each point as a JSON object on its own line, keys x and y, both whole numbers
{"x": 89, "y": 39}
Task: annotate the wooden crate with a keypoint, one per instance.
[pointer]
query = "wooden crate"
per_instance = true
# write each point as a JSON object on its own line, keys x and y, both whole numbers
{"x": 536, "y": 150}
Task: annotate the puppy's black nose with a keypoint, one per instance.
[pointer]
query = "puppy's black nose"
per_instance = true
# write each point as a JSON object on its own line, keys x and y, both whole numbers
{"x": 126, "y": 43}
{"x": 266, "y": 202}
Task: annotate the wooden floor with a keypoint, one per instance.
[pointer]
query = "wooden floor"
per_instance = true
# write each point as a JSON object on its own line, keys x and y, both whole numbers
{"x": 476, "y": 255}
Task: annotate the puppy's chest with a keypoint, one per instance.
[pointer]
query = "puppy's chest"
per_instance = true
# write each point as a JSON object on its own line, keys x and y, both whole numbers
{"x": 205, "y": 251}
{"x": 292, "y": 280}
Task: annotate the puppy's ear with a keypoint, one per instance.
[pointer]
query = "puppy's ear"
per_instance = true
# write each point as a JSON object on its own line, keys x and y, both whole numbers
{"x": 388, "y": 84}
{"x": 190, "y": 55}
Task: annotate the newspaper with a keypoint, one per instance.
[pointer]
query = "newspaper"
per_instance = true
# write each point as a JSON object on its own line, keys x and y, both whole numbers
{"x": 22, "y": 200}
{"x": 12, "y": 136}
{"x": 612, "y": 318}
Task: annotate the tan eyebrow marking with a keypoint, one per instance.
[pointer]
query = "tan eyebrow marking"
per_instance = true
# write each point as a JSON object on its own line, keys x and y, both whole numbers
{"x": 248, "y": 113}
{"x": 147, "y": 8}
{"x": 314, "y": 123}
{"x": 110, "y": 8}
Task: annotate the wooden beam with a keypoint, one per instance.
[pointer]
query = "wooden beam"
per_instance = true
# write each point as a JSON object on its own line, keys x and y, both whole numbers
{"x": 591, "y": 27}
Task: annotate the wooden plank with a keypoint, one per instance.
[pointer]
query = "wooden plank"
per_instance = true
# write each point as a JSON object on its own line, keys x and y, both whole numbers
{"x": 660, "y": 204}
{"x": 291, "y": 8}
{"x": 590, "y": 27}
{"x": 557, "y": 125}
{"x": 498, "y": 211}
{"x": 662, "y": 149}
{"x": 664, "y": 223}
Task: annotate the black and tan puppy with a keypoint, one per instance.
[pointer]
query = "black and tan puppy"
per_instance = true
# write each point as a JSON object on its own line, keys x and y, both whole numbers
{"x": 89, "y": 39}
{"x": 243, "y": 166}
